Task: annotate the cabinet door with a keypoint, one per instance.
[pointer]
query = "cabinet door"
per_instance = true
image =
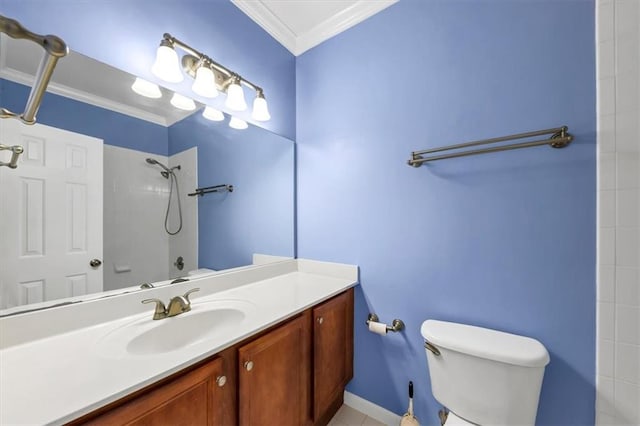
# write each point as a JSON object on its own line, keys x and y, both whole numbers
{"x": 193, "y": 399}
{"x": 332, "y": 351}
{"x": 273, "y": 376}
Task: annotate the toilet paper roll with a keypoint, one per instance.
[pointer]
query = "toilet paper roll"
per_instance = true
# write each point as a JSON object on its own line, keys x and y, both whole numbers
{"x": 378, "y": 327}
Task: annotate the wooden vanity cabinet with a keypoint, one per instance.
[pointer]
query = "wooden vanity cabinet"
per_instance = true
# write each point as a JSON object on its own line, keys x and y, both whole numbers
{"x": 194, "y": 398}
{"x": 291, "y": 374}
{"x": 273, "y": 376}
{"x": 332, "y": 354}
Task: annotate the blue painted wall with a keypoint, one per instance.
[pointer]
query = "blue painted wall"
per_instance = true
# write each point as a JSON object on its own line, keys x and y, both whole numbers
{"x": 257, "y": 217}
{"x": 125, "y": 34}
{"x": 112, "y": 127}
{"x": 504, "y": 240}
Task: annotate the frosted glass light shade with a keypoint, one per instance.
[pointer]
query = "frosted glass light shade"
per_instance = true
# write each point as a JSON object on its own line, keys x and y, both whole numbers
{"x": 212, "y": 114}
{"x": 235, "y": 98}
{"x": 260, "y": 109}
{"x": 236, "y": 123}
{"x": 205, "y": 83}
{"x": 146, "y": 88}
{"x": 167, "y": 66}
{"x": 182, "y": 102}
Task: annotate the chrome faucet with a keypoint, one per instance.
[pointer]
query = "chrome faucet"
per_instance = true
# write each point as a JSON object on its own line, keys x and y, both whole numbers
{"x": 177, "y": 305}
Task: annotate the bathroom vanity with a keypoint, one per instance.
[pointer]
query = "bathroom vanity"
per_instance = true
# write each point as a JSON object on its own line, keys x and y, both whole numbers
{"x": 282, "y": 354}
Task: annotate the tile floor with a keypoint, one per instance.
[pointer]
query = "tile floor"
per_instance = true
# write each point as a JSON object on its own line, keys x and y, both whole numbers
{"x": 347, "y": 416}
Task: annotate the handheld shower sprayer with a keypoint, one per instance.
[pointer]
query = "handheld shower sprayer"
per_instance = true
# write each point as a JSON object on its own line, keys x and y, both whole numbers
{"x": 168, "y": 173}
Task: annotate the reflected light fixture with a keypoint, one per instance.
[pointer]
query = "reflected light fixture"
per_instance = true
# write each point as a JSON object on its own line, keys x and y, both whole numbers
{"x": 146, "y": 88}
{"x": 237, "y": 123}
{"x": 235, "y": 95}
{"x": 209, "y": 76}
{"x": 212, "y": 114}
{"x": 182, "y": 102}
{"x": 260, "y": 109}
{"x": 167, "y": 65}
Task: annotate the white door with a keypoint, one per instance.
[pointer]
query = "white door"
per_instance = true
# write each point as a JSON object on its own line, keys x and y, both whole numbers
{"x": 50, "y": 215}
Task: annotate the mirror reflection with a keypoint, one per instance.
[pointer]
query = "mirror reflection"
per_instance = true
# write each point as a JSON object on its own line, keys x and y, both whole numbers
{"x": 105, "y": 195}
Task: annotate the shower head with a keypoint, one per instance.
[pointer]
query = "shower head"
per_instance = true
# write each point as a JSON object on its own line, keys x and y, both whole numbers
{"x": 156, "y": 162}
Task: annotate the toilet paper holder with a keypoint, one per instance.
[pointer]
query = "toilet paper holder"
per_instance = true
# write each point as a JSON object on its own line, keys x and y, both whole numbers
{"x": 396, "y": 324}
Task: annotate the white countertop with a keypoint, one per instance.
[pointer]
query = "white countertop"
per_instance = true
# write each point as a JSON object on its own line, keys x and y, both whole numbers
{"x": 52, "y": 379}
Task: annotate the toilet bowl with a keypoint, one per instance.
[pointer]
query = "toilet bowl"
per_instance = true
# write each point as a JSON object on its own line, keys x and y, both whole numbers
{"x": 483, "y": 376}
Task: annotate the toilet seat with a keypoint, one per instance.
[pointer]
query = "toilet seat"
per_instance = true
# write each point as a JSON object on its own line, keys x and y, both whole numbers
{"x": 453, "y": 420}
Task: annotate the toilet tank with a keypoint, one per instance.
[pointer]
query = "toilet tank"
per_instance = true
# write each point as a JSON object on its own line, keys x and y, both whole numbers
{"x": 485, "y": 376}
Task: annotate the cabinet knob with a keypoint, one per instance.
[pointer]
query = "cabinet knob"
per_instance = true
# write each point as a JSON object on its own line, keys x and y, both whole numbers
{"x": 248, "y": 365}
{"x": 221, "y": 380}
{"x": 320, "y": 320}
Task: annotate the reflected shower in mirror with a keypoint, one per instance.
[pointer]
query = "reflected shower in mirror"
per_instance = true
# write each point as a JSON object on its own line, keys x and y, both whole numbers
{"x": 100, "y": 199}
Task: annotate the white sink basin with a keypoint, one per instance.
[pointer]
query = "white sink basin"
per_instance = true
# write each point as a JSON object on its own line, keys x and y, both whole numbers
{"x": 205, "y": 321}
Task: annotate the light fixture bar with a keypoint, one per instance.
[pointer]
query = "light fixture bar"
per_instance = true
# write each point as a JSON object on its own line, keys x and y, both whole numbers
{"x": 191, "y": 61}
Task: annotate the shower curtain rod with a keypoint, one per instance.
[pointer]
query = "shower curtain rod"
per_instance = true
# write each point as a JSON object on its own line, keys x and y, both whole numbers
{"x": 560, "y": 137}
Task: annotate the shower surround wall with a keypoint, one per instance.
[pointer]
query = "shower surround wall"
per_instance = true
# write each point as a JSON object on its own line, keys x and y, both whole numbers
{"x": 503, "y": 240}
{"x": 618, "y": 367}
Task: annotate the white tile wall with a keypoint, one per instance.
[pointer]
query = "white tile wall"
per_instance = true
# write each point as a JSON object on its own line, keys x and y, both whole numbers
{"x": 135, "y": 199}
{"x": 618, "y": 349}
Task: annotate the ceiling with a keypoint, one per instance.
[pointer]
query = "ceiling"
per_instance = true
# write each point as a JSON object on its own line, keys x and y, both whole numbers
{"x": 300, "y": 25}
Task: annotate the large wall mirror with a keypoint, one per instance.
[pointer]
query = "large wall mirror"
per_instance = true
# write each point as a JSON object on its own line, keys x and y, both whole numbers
{"x": 100, "y": 200}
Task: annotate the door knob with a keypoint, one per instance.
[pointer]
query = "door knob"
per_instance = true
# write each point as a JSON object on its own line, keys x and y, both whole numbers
{"x": 221, "y": 380}
{"x": 320, "y": 320}
{"x": 248, "y": 365}
{"x": 94, "y": 263}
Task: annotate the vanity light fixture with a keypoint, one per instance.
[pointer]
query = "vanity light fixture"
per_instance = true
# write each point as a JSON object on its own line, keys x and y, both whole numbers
{"x": 260, "y": 109}
{"x": 146, "y": 88}
{"x": 167, "y": 64}
{"x": 236, "y": 123}
{"x": 210, "y": 77}
{"x": 205, "y": 83}
{"x": 212, "y": 114}
{"x": 182, "y": 102}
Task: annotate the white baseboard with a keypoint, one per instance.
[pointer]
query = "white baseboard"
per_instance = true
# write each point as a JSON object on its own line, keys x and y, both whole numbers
{"x": 372, "y": 410}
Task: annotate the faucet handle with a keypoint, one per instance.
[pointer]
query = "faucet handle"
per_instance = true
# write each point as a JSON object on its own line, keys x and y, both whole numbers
{"x": 188, "y": 293}
{"x": 161, "y": 310}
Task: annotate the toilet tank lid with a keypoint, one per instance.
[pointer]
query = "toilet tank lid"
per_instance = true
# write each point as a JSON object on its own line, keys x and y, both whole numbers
{"x": 486, "y": 343}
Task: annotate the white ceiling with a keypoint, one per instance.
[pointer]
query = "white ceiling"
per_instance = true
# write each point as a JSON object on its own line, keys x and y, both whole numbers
{"x": 300, "y": 25}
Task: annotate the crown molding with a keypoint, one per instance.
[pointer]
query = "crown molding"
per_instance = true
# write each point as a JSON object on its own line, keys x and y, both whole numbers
{"x": 298, "y": 44}
{"x": 79, "y": 95}
{"x": 262, "y": 15}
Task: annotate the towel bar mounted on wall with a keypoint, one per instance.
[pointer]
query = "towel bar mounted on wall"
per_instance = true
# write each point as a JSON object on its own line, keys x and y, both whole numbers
{"x": 16, "y": 151}
{"x": 54, "y": 49}
{"x": 210, "y": 189}
{"x": 560, "y": 137}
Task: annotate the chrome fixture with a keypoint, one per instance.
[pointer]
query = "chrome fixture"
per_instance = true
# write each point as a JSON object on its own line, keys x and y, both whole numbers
{"x": 210, "y": 77}
{"x": 55, "y": 48}
{"x": 396, "y": 324}
{"x": 432, "y": 348}
{"x": 560, "y": 137}
{"x": 179, "y": 263}
{"x": 210, "y": 189}
{"x": 16, "y": 150}
{"x": 169, "y": 173}
{"x": 177, "y": 305}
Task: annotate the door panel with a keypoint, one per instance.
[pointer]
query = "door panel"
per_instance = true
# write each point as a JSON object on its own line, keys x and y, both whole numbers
{"x": 50, "y": 215}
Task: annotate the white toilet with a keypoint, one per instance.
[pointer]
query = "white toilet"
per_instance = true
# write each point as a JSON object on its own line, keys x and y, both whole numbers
{"x": 483, "y": 376}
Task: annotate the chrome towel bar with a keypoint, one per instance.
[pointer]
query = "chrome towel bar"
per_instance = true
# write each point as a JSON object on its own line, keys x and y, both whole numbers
{"x": 17, "y": 150}
{"x": 54, "y": 47}
{"x": 560, "y": 137}
{"x": 210, "y": 189}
